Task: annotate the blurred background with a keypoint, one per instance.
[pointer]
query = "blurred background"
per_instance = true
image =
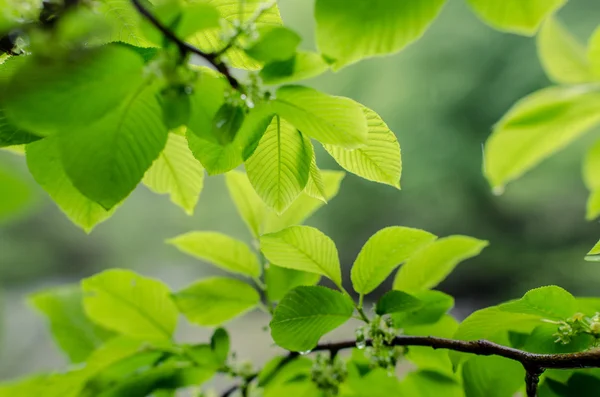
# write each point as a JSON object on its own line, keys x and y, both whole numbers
{"x": 440, "y": 96}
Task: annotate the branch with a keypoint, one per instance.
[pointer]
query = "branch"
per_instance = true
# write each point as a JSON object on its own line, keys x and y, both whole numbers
{"x": 186, "y": 48}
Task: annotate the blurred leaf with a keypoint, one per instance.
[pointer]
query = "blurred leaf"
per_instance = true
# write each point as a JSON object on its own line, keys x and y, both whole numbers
{"x": 11, "y": 135}
{"x": 76, "y": 335}
{"x": 383, "y": 252}
{"x": 176, "y": 107}
{"x": 434, "y": 304}
{"x": 220, "y": 250}
{"x": 315, "y": 187}
{"x": 177, "y": 173}
{"x": 247, "y": 202}
{"x": 275, "y": 43}
{"x": 303, "y": 248}
{"x": 328, "y": 119}
{"x": 15, "y": 195}
{"x": 341, "y": 36}
{"x": 515, "y": 16}
{"x": 130, "y": 304}
{"x": 220, "y": 344}
{"x": 594, "y": 254}
{"x": 216, "y": 300}
{"x": 429, "y": 384}
{"x": 125, "y": 22}
{"x": 379, "y": 160}
{"x": 279, "y": 168}
{"x": 431, "y": 265}
{"x": 226, "y": 124}
{"x": 591, "y": 177}
{"x": 563, "y": 57}
{"x": 577, "y": 386}
{"x": 305, "y": 314}
{"x": 492, "y": 376}
{"x": 304, "y": 65}
{"x": 397, "y": 301}
{"x": 281, "y": 280}
{"x": 594, "y": 53}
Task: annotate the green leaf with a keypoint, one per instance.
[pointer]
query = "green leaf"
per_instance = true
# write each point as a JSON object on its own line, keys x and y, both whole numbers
{"x": 379, "y": 160}
{"x": 315, "y": 187}
{"x": 220, "y": 344}
{"x": 281, "y": 280}
{"x": 43, "y": 160}
{"x": 591, "y": 177}
{"x": 125, "y": 144}
{"x": 383, "y": 252}
{"x": 125, "y": 23}
{"x": 578, "y": 385}
{"x": 543, "y": 340}
{"x": 220, "y": 250}
{"x": 248, "y": 204}
{"x": 515, "y": 16}
{"x": 551, "y": 302}
{"x": 177, "y": 172}
{"x": 564, "y": 59}
{"x": 226, "y": 123}
{"x": 536, "y": 127}
{"x": 279, "y": 167}
{"x": 435, "y": 304}
{"x": 594, "y": 254}
{"x": 214, "y": 301}
{"x": 76, "y": 335}
{"x": 305, "y": 314}
{"x": 11, "y": 135}
{"x": 303, "y": 248}
{"x": 594, "y": 53}
{"x": 328, "y": 119}
{"x": 130, "y": 304}
{"x": 431, "y": 265}
{"x": 176, "y": 107}
{"x": 304, "y": 206}
{"x": 492, "y": 377}
{"x": 275, "y": 43}
{"x": 304, "y": 65}
{"x": 84, "y": 91}
{"x": 397, "y": 301}
{"x": 392, "y": 25}
{"x": 16, "y": 195}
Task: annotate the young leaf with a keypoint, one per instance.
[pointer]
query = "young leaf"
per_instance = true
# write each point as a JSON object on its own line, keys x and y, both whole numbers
{"x": 434, "y": 305}
{"x": 76, "y": 335}
{"x": 43, "y": 160}
{"x": 108, "y": 158}
{"x": 248, "y": 204}
{"x": 379, "y": 160}
{"x": 130, "y": 304}
{"x": 536, "y": 127}
{"x": 383, "y": 252}
{"x": 594, "y": 254}
{"x": 515, "y": 16}
{"x": 220, "y": 250}
{"x": 279, "y": 167}
{"x": 275, "y": 43}
{"x": 392, "y": 25}
{"x": 591, "y": 177}
{"x": 551, "y": 302}
{"x": 304, "y": 65}
{"x": 397, "y": 301}
{"x": 214, "y": 301}
{"x": 303, "y": 248}
{"x": 543, "y": 340}
{"x": 219, "y": 343}
{"x": 315, "y": 187}
{"x": 429, "y": 266}
{"x": 281, "y": 280}
{"x": 96, "y": 84}
{"x": 305, "y": 314}
{"x": 328, "y": 119}
{"x": 563, "y": 57}
{"x": 177, "y": 173}
{"x": 492, "y": 376}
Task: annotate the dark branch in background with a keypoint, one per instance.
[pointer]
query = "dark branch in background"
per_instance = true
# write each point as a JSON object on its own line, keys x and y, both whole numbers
{"x": 534, "y": 363}
{"x": 186, "y": 48}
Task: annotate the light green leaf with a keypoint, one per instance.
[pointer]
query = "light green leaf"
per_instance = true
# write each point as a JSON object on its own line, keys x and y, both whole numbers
{"x": 15, "y": 195}
{"x": 435, "y": 304}
{"x": 391, "y": 26}
{"x": 279, "y": 167}
{"x": 76, "y": 335}
{"x": 84, "y": 91}
{"x": 543, "y": 340}
{"x": 232, "y": 13}
{"x": 220, "y": 250}
{"x": 304, "y": 206}
{"x": 214, "y": 301}
{"x": 397, "y": 301}
{"x": 304, "y": 65}
{"x": 303, "y": 248}
{"x": 563, "y": 57}
{"x": 125, "y": 23}
{"x": 536, "y": 127}
{"x": 429, "y": 266}
{"x": 492, "y": 376}
{"x": 125, "y": 144}
{"x": 43, "y": 160}
{"x": 594, "y": 53}
{"x": 248, "y": 204}
{"x": 275, "y": 43}
{"x": 379, "y": 160}
{"x": 130, "y": 304}
{"x": 315, "y": 187}
{"x": 551, "y": 302}
{"x": 328, "y": 119}
{"x": 515, "y": 16}
{"x": 281, "y": 280}
{"x": 383, "y": 252}
{"x": 591, "y": 177}
{"x": 305, "y": 314}
{"x": 594, "y": 254}
{"x": 177, "y": 173}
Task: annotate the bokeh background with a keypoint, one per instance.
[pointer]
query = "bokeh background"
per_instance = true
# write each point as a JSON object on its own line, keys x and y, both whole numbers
{"x": 440, "y": 96}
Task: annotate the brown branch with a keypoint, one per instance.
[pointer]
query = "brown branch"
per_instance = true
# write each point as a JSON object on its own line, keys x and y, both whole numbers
{"x": 186, "y": 48}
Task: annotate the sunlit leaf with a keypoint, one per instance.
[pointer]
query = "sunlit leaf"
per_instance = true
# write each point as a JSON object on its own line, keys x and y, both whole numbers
{"x": 591, "y": 177}
{"x": 304, "y": 65}
{"x": 248, "y": 204}
{"x": 275, "y": 43}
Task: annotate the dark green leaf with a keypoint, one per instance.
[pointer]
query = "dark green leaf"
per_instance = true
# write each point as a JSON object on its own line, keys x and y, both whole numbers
{"x": 397, "y": 301}
{"x": 219, "y": 342}
{"x": 281, "y": 280}
{"x": 304, "y": 65}
{"x": 275, "y": 43}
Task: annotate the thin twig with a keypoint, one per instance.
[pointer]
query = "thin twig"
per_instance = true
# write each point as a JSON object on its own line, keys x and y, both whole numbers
{"x": 186, "y": 48}
{"x": 532, "y": 380}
